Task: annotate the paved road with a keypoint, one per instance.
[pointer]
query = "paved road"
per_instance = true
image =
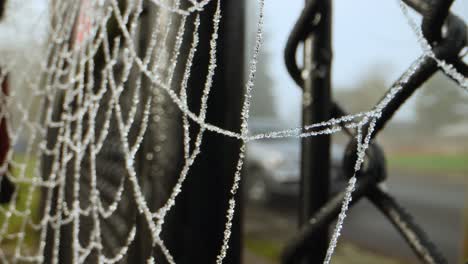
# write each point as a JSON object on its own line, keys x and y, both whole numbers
{"x": 437, "y": 206}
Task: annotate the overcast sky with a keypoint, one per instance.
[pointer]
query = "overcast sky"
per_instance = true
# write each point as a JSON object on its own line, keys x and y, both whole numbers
{"x": 366, "y": 33}
{"x": 25, "y": 22}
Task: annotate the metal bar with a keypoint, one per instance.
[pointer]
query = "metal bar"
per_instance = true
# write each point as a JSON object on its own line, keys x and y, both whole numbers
{"x": 2, "y": 8}
{"x": 316, "y": 107}
{"x": 300, "y": 242}
{"x": 414, "y": 235}
{"x": 447, "y": 49}
{"x": 201, "y": 207}
{"x": 302, "y": 28}
{"x": 366, "y": 179}
{"x": 314, "y": 230}
{"x": 433, "y": 20}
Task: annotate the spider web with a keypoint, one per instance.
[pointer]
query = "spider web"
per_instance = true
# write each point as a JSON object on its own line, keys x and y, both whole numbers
{"x": 78, "y": 126}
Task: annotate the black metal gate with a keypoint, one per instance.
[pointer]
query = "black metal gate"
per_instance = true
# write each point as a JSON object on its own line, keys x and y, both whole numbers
{"x": 318, "y": 210}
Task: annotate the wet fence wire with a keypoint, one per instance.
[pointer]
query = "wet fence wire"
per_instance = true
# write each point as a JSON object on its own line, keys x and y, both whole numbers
{"x": 447, "y": 36}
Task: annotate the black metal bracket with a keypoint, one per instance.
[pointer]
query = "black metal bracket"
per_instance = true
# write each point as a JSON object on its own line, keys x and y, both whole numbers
{"x": 447, "y": 47}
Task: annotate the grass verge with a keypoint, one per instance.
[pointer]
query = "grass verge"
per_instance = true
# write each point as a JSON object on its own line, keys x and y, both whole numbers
{"x": 15, "y": 224}
{"x": 435, "y": 163}
{"x": 270, "y": 250}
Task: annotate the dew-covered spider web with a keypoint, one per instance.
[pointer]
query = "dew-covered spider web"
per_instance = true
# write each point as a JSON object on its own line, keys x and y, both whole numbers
{"x": 103, "y": 101}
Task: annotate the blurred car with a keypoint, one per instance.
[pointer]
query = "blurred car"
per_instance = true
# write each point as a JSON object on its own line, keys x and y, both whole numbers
{"x": 273, "y": 165}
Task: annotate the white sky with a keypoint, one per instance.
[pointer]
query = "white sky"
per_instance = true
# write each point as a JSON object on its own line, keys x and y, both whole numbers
{"x": 25, "y": 22}
{"x": 365, "y": 33}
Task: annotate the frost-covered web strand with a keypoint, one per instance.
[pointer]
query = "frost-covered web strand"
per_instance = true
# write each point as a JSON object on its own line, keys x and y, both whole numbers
{"x": 244, "y": 131}
{"x": 362, "y": 146}
{"x": 162, "y": 212}
{"x": 58, "y": 122}
{"x": 184, "y": 84}
{"x": 448, "y": 68}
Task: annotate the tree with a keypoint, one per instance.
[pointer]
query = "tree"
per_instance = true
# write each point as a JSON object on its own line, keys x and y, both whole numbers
{"x": 366, "y": 93}
{"x": 440, "y": 103}
{"x": 263, "y": 103}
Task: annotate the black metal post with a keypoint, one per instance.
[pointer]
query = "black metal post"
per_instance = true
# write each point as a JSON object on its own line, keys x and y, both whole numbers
{"x": 316, "y": 107}
{"x": 202, "y": 205}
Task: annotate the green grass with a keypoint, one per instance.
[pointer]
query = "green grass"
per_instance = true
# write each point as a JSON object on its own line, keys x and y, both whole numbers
{"x": 268, "y": 249}
{"x": 438, "y": 163}
{"x": 345, "y": 253}
{"x": 14, "y": 223}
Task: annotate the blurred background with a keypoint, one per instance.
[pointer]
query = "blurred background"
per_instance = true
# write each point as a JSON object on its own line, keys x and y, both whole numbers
{"x": 426, "y": 144}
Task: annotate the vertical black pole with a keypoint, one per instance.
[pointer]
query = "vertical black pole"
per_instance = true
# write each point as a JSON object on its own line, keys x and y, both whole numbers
{"x": 316, "y": 105}
{"x": 203, "y": 203}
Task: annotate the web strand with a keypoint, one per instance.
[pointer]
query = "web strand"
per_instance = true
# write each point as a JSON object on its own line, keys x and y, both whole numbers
{"x": 80, "y": 127}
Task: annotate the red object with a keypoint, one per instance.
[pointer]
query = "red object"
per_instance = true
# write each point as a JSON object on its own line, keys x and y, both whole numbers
{"x": 83, "y": 24}
{"x": 7, "y": 188}
{"x": 4, "y": 137}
